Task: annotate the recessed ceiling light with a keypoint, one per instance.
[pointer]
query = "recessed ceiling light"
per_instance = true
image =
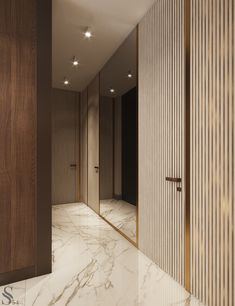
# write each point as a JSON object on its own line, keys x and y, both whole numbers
{"x": 88, "y": 33}
{"x": 75, "y": 61}
{"x": 66, "y": 82}
{"x": 112, "y": 90}
{"x": 129, "y": 75}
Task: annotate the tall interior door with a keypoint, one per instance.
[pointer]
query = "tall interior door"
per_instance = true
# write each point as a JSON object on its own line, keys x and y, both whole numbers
{"x": 93, "y": 144}
{"x": 65, "y": 141}
{"x": 162, "y": 137}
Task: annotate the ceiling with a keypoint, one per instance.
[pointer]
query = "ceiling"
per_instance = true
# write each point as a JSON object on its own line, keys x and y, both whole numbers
{"x": 110, "y": 21}
{"x": 124, "y": 60}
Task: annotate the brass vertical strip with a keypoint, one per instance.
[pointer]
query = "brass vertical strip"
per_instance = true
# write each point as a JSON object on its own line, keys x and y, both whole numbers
{"x": 206, "y": 197}
{"x": 231, "y": 150}
{"x": 187, "y": 19}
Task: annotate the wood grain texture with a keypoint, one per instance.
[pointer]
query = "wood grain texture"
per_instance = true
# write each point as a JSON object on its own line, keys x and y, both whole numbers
{"x": 83, "y": 146}
{"x": 25, "y": 91}
{"x": 161, "y": 136}
{"x": 44, "y": 81}
{"x": 93, "y": 144}
{"x": 65, "y": 114}
{"x": 212, "y": 147}
{"x": 18, "y": 135}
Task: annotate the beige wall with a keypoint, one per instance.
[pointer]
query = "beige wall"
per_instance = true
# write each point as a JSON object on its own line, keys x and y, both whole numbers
{"x": 212, "y": 147}
{"x": 106, "y": 148}
{"x": 93, "y": 144}
{"x": 161, "y": 136}
{"x": 83, "y": 147}
{"x": 212, "y": 143}
{"x": 65, "y": 146}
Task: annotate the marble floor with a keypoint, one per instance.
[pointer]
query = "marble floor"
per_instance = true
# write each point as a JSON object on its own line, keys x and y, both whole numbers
{"x": 93, "y": 265}
{"x": 121, "y": 214}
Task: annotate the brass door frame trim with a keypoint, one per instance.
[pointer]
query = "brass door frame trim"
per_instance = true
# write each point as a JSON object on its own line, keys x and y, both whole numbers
{"x": 187, "y": 77}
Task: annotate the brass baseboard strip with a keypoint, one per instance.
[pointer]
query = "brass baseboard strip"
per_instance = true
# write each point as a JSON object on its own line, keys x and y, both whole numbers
{"x": 120, "y": 232}
{"x": 187, "y": 29}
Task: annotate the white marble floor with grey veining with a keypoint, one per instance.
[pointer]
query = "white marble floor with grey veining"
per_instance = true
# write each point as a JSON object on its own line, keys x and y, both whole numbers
{"x": 121, "y": 214}
{"x": 93, "y": 265}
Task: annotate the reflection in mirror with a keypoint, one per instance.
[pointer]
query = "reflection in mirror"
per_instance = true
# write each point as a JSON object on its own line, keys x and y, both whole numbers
{"x": 118, "y": 139}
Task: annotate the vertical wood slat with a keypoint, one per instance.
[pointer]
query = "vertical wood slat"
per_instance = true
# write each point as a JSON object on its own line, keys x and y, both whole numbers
{"x": 161, "y": 135}
{"x": 212, "y": 147}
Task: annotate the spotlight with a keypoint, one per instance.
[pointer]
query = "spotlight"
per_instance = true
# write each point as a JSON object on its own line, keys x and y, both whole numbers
{"x": 129, "y": 75}
{"x": 88, "y": 33}
{"x": 75, "y": 61}
{"x": 66, "y": 82}
{"x": 112, "y": 90}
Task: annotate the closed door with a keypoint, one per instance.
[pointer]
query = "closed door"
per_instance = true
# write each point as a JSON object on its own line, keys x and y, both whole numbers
{"x": 93, "y": 145}
{"x": 162, "y": 138}
{"x": 65, "y": 147}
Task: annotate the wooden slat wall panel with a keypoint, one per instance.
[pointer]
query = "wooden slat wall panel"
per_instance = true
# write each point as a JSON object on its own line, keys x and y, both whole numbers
{"x": 83, "y": 146}
{"x": 161, "y": 135}
{"x": 212, "y": 147}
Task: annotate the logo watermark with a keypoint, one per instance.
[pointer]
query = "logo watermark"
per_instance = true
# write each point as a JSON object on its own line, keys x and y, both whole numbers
{"x": 7, "y": 296}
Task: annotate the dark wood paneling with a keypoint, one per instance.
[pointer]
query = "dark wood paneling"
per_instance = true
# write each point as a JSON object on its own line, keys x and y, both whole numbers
{"x": 25, "y": 79}
{"x": 18, "y": 136}
{"x": 44, "y": 83}
{"x": 5, "y": 152}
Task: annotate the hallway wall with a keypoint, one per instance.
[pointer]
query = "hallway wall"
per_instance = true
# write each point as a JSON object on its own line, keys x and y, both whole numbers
{"x": 161, "y": 136}
{"x": 83, "y": 146}
{"x": 65, "y": 146}
{"x": 25, "y": 135}
{"x": 212, "y": 147}
{"x": 212, "y": 143}
{"x": 93, "y": 143}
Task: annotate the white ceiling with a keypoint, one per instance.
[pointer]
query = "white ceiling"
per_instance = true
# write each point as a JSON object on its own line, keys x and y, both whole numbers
{"x": 110, "y": 20}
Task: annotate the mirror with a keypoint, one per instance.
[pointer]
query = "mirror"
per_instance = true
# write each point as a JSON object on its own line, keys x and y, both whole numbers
{"x": 119, "y": 139}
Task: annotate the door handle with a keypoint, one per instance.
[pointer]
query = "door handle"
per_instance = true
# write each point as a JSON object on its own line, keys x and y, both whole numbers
{"x": 73, "y": 165}
{"x": 96, "y": 169}
{"x": 174, "y": 179}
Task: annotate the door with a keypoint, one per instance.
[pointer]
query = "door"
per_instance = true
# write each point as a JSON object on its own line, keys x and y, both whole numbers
{"x": 65, "y": 146}
{"x": 162, "y": 160}
{"x": 93, "y": 145}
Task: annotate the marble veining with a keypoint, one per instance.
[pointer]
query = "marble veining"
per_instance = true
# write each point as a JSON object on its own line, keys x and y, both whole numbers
{"x": 121, "y": 214}
{"x": 93, "y": 265}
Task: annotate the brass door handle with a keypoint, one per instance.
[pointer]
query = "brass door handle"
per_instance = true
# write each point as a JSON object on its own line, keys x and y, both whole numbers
{"x": 73, "y": 165}
{"x": 174, "y": 179}
{"x": 96, "y": 169}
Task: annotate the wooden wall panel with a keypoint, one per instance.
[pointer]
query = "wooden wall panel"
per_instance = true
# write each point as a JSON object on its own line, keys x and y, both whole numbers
{"x": 23, "y": 96}
{"x": 161, "y": 135}
{"x": 212, "y": 147}
{"x": 18, "y": 135}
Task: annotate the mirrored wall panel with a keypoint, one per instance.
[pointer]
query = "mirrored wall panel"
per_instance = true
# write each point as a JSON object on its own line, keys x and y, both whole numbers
{"x": 118, "y": 139}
